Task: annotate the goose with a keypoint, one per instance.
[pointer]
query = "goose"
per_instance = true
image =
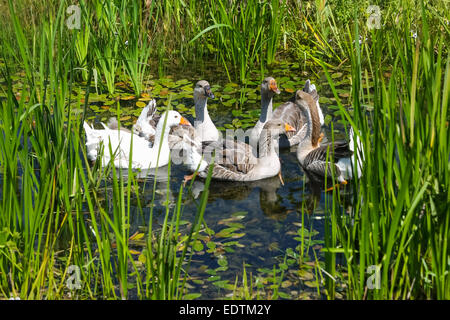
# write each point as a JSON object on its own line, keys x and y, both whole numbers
{"x": 313, "y": 156}
{"x": 290, "y": 113}
{"x": 235, "y": 161}
{"x": 268, "y": 89}
{"x": 287, "y": 112}
{"x": 311, "y": 89}
{"x": 143, "y": 155}
{"x": 147, "y": 122}
{"x": 203, "y": 129}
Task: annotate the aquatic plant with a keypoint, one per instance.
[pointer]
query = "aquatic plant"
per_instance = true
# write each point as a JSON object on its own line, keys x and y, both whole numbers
{"x": 64, "y": 232}
{"x": 395, "y": 238}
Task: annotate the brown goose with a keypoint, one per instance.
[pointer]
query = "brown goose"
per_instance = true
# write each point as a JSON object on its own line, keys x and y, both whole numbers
{"x": 290, "y": 113}
{"x": 268, "y": 90}
{"x": 313, "y": 156}
{"x": 235, "y": 160}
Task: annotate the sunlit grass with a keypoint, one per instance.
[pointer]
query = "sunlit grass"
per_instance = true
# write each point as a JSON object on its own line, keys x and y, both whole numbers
{"x": 54, "y": 210}
{"x": 398, "y": 221}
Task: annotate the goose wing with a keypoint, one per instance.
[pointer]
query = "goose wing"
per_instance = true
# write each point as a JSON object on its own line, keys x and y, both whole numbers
{"x": 322, "y": 168}
{"x": 340, "y": 149}
{"x": 289, "y": 113}
{"x": 145, "y": 125}
{"x": 230, "y": 155}
{"x": 113, "y": 124}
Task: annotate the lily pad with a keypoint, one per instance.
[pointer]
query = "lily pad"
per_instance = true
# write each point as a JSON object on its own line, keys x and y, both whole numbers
{"x": 128, "y": 98}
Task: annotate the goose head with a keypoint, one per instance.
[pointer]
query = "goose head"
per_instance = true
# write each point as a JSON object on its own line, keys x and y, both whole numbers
{"x": 202, "y": 90}
{"x": 174, "y": 119}
{"x": 277, "y": 127}
{"x": 269, "y": 87}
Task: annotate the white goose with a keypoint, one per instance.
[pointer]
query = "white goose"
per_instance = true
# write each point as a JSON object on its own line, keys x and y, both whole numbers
{"x": 143, "y": 155}
{"x": 203, "y": 130}
{"x": 313, "y": 156}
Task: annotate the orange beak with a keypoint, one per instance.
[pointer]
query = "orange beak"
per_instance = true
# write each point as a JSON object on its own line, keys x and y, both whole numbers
{"x": 184, "y": 122}
{"x": 289, "y": 128}
{"x": 273, "y": 86}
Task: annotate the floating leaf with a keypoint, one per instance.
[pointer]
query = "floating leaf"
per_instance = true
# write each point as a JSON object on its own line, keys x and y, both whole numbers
{"x": 164, "y": 92}
{"x": 127, "y": 98}
{"x": 225, "y": 232}
{"x": 211, "y": 246}
{"x": 305, "y": 274}
{"x": 336, "y": 75}
{"x": 213, "y": 278}
{"x": 223, "y": 262}
{"x": 198, "y": 246}
{"x": 223, "y": 284}
{"x": 238, "y": 235}
{"x": 192, "y": 296}
{"x": 310, "y": 284}
{"x": 240, "y": 214}
{"x": 141, "y": 104}
{"x": 142, "y": 258}
{"x": 284, "y": 295}
{"x": 324, "y": 100}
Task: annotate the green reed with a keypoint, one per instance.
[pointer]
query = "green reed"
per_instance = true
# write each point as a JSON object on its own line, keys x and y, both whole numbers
{"x": 63, "y": 222}
{"x": 245, "y": 33}
{"x": 135, "y": 46}
{"x": 395, "y": 236}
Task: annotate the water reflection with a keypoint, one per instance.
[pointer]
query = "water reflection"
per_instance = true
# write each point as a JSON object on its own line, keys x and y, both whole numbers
{"x": 270, "y": 202}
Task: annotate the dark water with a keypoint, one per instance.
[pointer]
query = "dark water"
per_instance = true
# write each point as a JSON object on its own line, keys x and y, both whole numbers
{"x": 270, "y": 214}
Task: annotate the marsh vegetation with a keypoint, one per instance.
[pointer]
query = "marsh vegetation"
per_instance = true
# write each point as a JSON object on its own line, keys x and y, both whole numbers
{"x": 72, "y": 229}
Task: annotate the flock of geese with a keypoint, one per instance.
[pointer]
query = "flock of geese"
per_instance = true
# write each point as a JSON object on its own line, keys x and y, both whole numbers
{"x": 149, "y": 142}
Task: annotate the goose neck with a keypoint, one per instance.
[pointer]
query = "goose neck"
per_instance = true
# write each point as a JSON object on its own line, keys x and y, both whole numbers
{"x": 313, "y": 125}
{"x": 201, "y": 111}
{"x": 266, "y": 108}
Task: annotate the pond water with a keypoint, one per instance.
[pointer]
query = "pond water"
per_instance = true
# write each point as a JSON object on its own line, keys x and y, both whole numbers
{"x": 254, "y": 224}
{"x": 258, "y": 223}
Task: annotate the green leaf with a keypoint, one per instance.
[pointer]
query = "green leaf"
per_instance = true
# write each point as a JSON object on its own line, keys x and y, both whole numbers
{"x": 192, "y": 296}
